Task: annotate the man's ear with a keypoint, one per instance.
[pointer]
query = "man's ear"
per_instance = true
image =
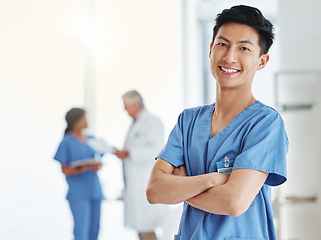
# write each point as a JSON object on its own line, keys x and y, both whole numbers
{"x": 263, "y": 61}
{"x": 210, "y": 53}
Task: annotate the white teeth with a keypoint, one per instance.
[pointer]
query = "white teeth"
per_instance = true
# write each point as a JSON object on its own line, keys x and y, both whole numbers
{"x": 229, "y": 70}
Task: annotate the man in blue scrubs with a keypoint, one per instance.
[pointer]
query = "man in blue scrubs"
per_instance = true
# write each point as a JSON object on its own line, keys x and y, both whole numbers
{"x": 222, "y": 159}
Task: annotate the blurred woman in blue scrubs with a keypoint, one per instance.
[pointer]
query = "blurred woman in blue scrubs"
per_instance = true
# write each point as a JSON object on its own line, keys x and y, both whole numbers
{"x": 84, "y": 194}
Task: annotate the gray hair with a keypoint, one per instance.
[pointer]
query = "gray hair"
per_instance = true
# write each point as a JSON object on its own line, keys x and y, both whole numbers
{"x": 133, "y": 97}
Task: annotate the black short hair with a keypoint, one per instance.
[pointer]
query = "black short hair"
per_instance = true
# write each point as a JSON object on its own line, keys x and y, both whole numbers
{"x": 251, "y": 17}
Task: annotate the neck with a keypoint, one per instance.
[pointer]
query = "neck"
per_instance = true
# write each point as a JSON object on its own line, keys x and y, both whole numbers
{"x": 78, "y": 133}
{"x": 137, "y": 113}
{"x": 232, "y": 101}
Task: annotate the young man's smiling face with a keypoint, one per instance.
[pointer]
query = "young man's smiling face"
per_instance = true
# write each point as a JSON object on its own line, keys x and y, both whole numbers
{"x": 235, "y": 55}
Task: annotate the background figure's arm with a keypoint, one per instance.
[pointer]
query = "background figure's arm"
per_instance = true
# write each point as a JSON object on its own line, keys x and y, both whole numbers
{"x": 122, "y": 154}
{"x": 165, "y": 187}
{"x": 234, "y": 197}
{"x": 74, "y": 170}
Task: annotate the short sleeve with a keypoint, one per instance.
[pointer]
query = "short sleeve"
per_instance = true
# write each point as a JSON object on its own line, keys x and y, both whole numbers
{"x": 173, "y": 151}
{"x": 265, "y": 148}
{"x": 62, "y": 154}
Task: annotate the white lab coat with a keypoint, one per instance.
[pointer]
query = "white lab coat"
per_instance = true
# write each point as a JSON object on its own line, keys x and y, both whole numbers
{"x": 144, "y": 140}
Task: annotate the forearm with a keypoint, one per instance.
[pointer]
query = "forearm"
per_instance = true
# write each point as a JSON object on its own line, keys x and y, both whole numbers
{"x": 234, "y": 197}
{"x": 68, "y": 171}
{"x": 170, "y": 189}
{"x": 213, "y": 201}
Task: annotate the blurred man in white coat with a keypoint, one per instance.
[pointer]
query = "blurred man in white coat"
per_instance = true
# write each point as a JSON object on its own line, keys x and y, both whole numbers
{"x": 144, "y": 140}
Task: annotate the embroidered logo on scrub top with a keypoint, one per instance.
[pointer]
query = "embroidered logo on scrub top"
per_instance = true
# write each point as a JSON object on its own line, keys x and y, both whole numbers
{"x": 225, "y": 166}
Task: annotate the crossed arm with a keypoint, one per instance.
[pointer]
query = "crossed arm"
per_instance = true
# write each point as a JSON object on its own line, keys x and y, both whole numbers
{"x": 213, "y": 192}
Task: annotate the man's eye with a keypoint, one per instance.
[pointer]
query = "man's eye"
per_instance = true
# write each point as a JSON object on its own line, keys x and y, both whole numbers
{"x": 222, "y": 44}
{"x": 245, "y": 49}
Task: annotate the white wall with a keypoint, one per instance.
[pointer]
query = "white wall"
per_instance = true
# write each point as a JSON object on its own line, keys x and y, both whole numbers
{"x": 42, "y": 65}
{"x": 300, "y": 35}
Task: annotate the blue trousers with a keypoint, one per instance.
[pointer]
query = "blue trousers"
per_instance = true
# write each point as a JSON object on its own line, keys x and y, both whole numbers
{"x": 86, "y": 214}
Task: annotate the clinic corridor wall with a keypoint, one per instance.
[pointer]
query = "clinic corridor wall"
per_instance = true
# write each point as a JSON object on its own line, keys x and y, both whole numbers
{"x": 300, "y": 66}
{"x": 300, "y": 37}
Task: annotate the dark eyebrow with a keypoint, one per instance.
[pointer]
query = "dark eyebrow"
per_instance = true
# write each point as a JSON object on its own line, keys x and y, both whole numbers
{"x": 223, "y": 38}
{"x": 246, "y": 41}
{"x": 243, "y": 41}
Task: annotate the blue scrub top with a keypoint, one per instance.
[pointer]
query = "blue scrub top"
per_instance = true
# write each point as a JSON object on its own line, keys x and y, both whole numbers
{"x": 82, "y": 186}
{"x": 255, "y": 139}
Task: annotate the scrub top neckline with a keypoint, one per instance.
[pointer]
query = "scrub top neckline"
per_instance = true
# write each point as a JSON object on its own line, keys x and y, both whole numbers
{"x": 212, "y": 109}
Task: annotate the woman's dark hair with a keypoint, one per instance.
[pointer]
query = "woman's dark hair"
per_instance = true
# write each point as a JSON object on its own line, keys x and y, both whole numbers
{"x": 251, "y": 17}
{"x": 72, "y": 116}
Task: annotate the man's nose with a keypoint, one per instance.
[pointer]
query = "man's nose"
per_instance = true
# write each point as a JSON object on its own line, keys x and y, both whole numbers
{"x": 230, "y": 56}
